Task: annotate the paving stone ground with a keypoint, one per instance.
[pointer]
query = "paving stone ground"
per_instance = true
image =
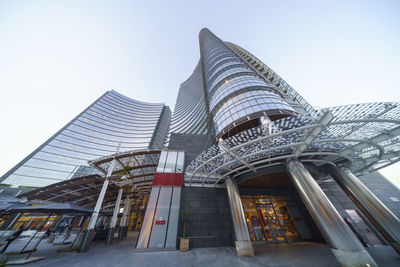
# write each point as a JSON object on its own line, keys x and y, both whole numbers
{"x": 122, "y": 253}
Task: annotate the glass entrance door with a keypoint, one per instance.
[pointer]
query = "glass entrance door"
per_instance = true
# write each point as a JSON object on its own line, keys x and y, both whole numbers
{"x": 271, "y": 225}
{"x": 268, "y": 219}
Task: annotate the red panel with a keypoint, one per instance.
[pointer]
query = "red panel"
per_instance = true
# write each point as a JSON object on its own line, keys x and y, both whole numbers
{"x": 160, "y": 222}
{"x": 168, "y": 179}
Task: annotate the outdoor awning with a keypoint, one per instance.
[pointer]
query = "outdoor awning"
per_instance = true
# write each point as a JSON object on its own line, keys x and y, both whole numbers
{"x": 56, "y": 208}
{"x": 135, "y": 168}
{"x": 365, "y": 136}
{"x": 7, "y": 208}
{"x": 134, "y": 172}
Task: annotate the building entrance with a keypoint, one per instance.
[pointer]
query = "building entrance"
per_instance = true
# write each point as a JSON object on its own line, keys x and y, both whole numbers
{"x": 268, "y": 219}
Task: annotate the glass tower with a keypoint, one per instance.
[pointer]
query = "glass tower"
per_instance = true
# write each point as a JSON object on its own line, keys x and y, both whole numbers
{"x": 190, "y": 115}
{"x": 229, "y": 91}
{"x": 96, "y": 132}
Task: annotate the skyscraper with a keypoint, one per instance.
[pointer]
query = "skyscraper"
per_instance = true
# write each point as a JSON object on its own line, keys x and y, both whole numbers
{"x": 229, "y": 91}
{"x": 260, "y": 164}
{"x": 96, "y": 132}
{"x": 248, "y": 131}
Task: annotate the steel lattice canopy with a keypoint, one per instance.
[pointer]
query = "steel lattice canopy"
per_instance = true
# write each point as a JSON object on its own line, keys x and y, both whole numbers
{"x": 133, "y": 171}
{"x": 135, "y": 168}
{"x": 365, "y": 136}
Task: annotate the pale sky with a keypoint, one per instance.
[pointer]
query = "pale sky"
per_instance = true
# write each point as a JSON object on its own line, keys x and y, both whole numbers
{"x": 57, "y": 57}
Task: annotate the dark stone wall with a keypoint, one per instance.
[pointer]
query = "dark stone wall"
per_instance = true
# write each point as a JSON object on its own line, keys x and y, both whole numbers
{"x": 388, "y": 193}
{"x": 341, "y": 202}
{"x": 206, "y": 217}
{"x": 338, "y": 198}
{"x": 204, "y": 212}
{"x": 377, "y": 183}
{"x": 193, "y": 144}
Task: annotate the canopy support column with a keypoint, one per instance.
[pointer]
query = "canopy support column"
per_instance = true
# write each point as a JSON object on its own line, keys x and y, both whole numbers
{"x": 123, "y": 229}
{"x": 244, "y": 247}
{"x": 110, "y": 234}
{"x": 383, "y": 219}
{"x": 344, "y": 244}
{"x": 88, "y": 236}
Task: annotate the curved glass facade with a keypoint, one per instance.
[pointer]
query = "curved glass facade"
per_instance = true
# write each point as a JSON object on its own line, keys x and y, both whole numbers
{"x": 290, "y": 95}
{"x": 236, "y": 93}
{"x": 94, "y": 133}
{"x": 190, "y": 113}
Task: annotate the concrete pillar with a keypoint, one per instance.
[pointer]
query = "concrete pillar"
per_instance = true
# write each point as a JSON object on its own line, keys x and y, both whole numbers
{"x": 383, "y": 219}
{"x": 244, "y": 247}
{"x": 110, "y": 234}
{"x": 344, "y": 244}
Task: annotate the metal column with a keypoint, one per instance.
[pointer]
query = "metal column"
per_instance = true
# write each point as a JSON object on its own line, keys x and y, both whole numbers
{"x": 110, "y": 234}
{"x": 383, "y": 219}
{"x": 123, "y": 229}
{"x": 88, "y": 236}
{"x": 128, "y": 217}
{"x": 244, "y": 247}
{"x": 344, "y": 244}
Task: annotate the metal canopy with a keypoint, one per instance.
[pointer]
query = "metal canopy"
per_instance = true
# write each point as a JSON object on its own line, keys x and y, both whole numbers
{"x": 134, "y": 167}
{"x": 366, "y": 136}
{"x": 134, "y": 172}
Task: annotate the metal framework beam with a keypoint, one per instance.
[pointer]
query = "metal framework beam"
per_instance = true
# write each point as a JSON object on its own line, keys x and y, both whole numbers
{"x": 365, "y": 143}
{"x": 320, "y": 134}
{"x": 255, "y": 141}
{"x": 325, "y": 119}
{"x": 235, "y": 155}
{"x": 377, "y": 139}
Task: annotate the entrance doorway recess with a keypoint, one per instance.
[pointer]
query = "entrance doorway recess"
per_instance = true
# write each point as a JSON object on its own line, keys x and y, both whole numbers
{"x": 268, "y": 219}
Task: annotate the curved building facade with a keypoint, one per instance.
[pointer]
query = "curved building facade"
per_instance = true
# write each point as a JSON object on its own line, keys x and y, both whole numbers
{"x": 226, "y": 179}
{"x": 236, "y": 94}
{"x": 272, "y": 181}
{"x": 96, "y": 132}
{"x": 190, "y": 115}
{"x": 228, "y": 92}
